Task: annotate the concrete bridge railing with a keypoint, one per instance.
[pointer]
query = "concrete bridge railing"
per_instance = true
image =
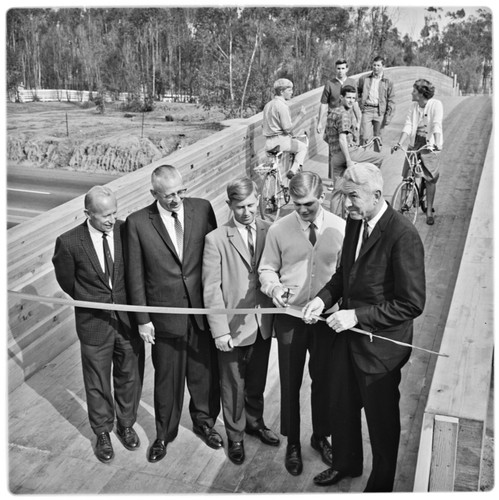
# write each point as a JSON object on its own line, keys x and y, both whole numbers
{"x": 38, "y": 332}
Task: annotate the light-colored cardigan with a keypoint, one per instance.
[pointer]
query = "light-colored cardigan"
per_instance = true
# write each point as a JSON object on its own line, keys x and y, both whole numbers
{"x": 434, "y": 113}
{"x": 289, "y": 258}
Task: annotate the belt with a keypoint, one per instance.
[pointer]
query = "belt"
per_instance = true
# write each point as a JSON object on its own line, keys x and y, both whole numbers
{"x": 371, "y": 105}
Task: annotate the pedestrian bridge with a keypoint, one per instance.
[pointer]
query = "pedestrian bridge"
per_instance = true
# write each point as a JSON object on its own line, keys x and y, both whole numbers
{"x": 445, "y": 401}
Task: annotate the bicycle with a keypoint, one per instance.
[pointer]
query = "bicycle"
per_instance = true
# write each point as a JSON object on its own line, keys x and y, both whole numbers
{"x": 410, "y": 195}
{"x": 340, "y": 208}
{"x": 274, "y": 193}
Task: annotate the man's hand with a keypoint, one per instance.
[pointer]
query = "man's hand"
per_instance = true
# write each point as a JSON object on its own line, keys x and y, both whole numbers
{"x": 342, "y": 320}
{"x": 395, "y": 148}
{"x": 312, "y": 310}
{"x": 319, "y": 128}
{"x": 280, "y": 296}
{"x": 147, "y": 333}
{"x": 224, "y": 343}
{"x": 303, "y": 111}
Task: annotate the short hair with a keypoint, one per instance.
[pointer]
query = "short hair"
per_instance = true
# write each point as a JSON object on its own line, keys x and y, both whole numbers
{"x": 365, "y": 175}
{"x": 166, "y": 172}
{"x": 305, "y": 183}
{"x": 282, "y": 84}
{"x": 241, "y": 188}
{"x": 95, "y": 192}
{"x": 379, "y": 59}
{"x": 341, "y": 61}
{"x": 425, "y": 88}
{"x": 347, "y": 89}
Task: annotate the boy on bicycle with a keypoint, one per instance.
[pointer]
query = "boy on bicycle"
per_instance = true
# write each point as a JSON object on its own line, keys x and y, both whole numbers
{"x": 342, "y": 133}
{"x": 278, "y": 128}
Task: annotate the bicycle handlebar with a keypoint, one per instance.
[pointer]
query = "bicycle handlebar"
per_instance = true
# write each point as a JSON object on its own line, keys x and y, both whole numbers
{"x": 430, "y": 147}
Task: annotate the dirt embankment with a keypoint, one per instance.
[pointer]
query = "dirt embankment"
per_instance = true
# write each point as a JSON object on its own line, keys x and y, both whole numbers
{"x": 63, "y": 135}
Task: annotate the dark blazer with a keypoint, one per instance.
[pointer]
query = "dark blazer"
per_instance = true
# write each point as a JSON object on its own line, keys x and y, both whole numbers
{"x": 385, "y": 286}
{"x": 155, "y": 274}
{"x": 80, "y": 275}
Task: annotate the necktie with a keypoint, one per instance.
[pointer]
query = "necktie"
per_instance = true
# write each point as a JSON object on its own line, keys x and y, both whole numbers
{"x": 179, "y": 233}
{"x": 251, "y": 244}
{"x": 365, "y": 234}
{"x": 108, "y": 258}
{"x": 312, "y": 236}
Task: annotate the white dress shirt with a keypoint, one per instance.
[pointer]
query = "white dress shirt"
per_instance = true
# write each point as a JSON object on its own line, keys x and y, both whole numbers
{"x": 96, "y": 237}
{"x": 370, "y": 224}
{"x": 169, "y": 222}
{"x": 244, "y": 232}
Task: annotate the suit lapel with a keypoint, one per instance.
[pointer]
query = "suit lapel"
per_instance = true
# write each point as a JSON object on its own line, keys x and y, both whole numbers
{"x": 117, "y": 250}
{"x": 261, "y": 231}
{"x": 189, "y": 221}
{"x": 157, "y": 223}
{"x": 237, "y": 242}
{"x": 88, "y": 246}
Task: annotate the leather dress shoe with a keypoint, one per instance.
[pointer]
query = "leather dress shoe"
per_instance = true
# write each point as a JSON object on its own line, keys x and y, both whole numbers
{"x": 265, "y": 434}
{"x": 331, "y": 476}
{"x": 236, "y": 452}
{"x": 104, "y": 449}
{"x": 293, "y": 461}
{"x": 128, "y": 437}
{"x": 157, "y": 451}
{"x": 321, "y": 444}
{"x": 210, "y": 436}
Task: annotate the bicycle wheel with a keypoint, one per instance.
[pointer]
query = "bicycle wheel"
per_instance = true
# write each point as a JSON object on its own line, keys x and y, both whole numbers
{"x": 406, "y": 200}
{"x": 271, "y": 197}
{"x": 422, "y": 196}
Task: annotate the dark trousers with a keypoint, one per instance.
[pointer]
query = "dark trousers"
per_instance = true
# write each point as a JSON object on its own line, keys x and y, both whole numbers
{"x": 193, "y": 358}
{"x": 243, "y": 374}
{"x": 295, "y": 338}
{"x": 122, "y": 359}
{"x": 379, "y": 395}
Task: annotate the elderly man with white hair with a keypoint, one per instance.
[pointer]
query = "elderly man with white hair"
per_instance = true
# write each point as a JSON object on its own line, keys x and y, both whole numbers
{"x": 279, "y": 129}
{"x": 381, "y": 285}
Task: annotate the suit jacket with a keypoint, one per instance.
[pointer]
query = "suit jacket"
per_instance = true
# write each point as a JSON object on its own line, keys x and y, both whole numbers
{"x": 385, "y": 286}
{"x": 155, "y": 274}
{"x": 80, "y": 275}
{"x": 386, "y": 95}
{"x": 230, "y": 280}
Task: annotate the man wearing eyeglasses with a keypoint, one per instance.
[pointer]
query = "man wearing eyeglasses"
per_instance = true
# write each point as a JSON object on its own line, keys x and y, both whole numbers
{"x": 165, "y": 243}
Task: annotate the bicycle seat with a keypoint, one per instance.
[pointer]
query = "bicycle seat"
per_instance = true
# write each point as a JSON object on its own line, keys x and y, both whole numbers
{"x": 274, "y": 151}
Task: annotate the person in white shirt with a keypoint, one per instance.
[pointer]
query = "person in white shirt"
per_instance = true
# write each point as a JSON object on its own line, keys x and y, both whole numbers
{"x": 300, "y": 255}
{"x": 423, "y": 126}
{"x": 279, "y": 129}
{"x": 89, "y": 265}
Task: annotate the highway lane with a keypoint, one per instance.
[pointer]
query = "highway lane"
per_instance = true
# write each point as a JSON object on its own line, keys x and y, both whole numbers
{"x": 32, "y": 190}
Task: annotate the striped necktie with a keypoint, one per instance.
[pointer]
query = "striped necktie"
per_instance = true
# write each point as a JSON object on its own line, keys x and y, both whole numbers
{"x": 179, "y": 233}
{"x": 251, "y": 244}
{"x": 108, "y": 258}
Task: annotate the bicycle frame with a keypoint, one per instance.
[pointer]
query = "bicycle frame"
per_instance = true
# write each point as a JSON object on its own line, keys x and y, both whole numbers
{"x": 409, "y": 195}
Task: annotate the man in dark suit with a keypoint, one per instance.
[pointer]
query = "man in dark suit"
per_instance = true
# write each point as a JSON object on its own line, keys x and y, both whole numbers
{"x": 230, "y": 280}
{"x": 88, "y": 262}
{"x": 165, "y": 251}
{"x": 381, "y": 284}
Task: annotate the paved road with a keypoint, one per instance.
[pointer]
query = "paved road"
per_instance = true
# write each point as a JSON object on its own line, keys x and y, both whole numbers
{"x": 32, "y": 191}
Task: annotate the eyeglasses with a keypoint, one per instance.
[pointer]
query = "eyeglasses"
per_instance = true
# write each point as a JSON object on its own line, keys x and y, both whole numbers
{"x": 171, "y": 196}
